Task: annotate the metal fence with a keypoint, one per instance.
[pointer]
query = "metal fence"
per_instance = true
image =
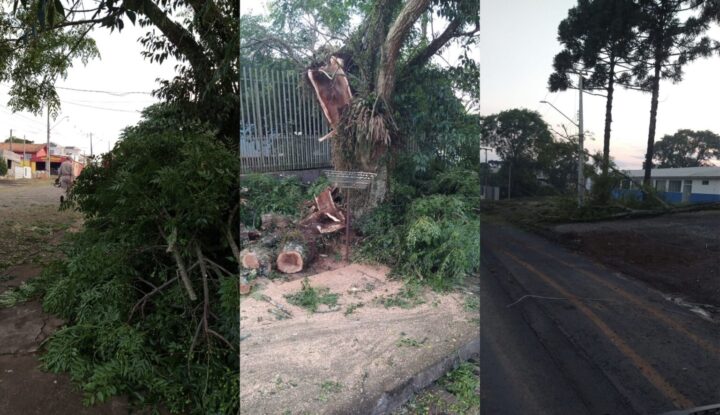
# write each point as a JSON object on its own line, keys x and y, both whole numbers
{"x": 280, "y": 123}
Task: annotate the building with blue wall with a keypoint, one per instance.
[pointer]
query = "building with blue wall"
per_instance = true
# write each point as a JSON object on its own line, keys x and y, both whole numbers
{"x": 677, "y": 185}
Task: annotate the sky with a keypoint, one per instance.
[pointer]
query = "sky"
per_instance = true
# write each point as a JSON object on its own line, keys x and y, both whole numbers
{"x": 120, "y": 68}
{"x": 517, "y": 45}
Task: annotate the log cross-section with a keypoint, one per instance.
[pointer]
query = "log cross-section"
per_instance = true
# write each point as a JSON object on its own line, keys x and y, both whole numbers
{"x": 292, "y": 258}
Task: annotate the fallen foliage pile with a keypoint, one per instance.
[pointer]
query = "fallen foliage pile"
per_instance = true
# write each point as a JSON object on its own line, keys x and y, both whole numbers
{"x": 149, "y": 288}
{"x": 428, "y": 230}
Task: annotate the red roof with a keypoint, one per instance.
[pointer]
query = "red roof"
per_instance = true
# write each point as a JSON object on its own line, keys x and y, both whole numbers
{"x": 18, "y": 147}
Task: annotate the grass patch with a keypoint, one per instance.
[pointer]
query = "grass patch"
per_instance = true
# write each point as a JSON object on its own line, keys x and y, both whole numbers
{"x": 465, "y": 385}
{"x": 409, "y": 296}
{"x": 310, "y": 298}
{"x": 23, "y": 293}
{"x": 409, "y": 342}
{"x": 328, "y": 388}
{"x": 472, "y": 303}
{"x": 352, "y": 307}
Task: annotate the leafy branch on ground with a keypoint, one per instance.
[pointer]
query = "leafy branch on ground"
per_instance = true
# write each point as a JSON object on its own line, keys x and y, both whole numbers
{"x": 310, "y": 298}
{"x": 149, "y": 287}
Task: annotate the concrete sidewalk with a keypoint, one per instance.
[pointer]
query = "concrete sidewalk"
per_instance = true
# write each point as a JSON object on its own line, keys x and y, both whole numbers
{"x": 366, "y": 362}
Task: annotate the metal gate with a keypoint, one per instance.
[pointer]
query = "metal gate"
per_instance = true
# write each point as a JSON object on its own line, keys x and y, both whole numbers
{"x": 280, "y": 123}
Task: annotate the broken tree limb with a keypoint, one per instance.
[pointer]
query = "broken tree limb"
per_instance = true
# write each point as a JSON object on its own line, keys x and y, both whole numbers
{"x": 255, "y": 257}
{"x": 182, "y": 271}
{"x": 293, "y": 257}
{"x": 276, "y": 305}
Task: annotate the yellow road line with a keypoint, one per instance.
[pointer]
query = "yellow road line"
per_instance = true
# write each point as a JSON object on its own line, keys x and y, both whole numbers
{"x": 714, "y": 350}
{"x": 677, "y": 398}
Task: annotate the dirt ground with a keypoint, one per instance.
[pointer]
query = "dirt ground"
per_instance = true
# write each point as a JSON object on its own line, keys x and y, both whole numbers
{"x": 32, "y": 229}
{"x": 346, "y": 359}
{"x": 678, "y": 254}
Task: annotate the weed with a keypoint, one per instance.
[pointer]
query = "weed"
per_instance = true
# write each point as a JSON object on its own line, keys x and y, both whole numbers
{"x": 409, "y": 296}
{"x": 409, "y": 342}
{"x": 327, "y": 388}
{"x": 309, "y": 297}
{"x": 352, "y": 307}
{"x": 465, "y": 385}
{"x": 472, "y": 303}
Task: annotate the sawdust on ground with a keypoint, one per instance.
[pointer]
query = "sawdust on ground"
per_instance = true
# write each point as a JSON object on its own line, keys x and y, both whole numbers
{"x": 331, "y": 362}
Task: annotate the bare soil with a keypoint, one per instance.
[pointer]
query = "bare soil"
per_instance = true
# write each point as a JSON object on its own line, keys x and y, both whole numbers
{"x": 32, "y": 227}
{"x": 678, "y": 254}
{"x": 342, "y": 360}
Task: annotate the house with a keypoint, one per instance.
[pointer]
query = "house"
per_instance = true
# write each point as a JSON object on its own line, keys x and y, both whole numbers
{"x": 35, "y": 157}
{"x": 678, "y": 185}
{"x": 10, "y": 159}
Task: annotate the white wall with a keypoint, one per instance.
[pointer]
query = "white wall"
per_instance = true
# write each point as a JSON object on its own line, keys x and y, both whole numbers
{"x": 712, "y": 188}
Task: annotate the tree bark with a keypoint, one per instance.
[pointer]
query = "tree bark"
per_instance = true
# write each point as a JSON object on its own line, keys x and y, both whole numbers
{"x": 410, "y": 13}
{"x": 293, "y": 257}
{"x": 653, "y": 123}
{"x": 608, "y": 118}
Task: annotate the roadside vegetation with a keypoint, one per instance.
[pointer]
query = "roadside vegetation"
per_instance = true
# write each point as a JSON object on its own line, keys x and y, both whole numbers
{"x": 456, "y": 393}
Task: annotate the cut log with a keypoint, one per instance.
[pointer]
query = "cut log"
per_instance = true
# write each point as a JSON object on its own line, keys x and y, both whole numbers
{"x": 293, "y": 257}
{"x": 274, "y": 220}
{"x": 255, "y": 257}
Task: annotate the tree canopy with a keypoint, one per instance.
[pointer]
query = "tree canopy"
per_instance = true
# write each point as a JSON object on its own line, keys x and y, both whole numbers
{"x": 687, "y": 148}
{"x": 40, "y": 40}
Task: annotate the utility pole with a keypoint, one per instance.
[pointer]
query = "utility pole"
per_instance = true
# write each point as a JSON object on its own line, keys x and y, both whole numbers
{"x": 47, "y": 160}
{"x": 11, "y": 140}
{"x": 581, "y": 155}
{"x": 91, "y": 150}
{"x": 24, "y": 155}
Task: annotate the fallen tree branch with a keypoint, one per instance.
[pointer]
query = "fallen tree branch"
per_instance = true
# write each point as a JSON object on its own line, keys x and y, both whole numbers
{"x": 147, "y": 296}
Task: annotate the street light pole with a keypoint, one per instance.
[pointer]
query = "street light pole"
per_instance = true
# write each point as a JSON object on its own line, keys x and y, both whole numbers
{"x": 581, "y": 143}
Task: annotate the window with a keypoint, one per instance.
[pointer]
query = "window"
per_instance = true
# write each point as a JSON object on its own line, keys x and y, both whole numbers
{"x": 705, "y": 182}
{"x": 660, "y": 185}
{"x": 674, "y": 186}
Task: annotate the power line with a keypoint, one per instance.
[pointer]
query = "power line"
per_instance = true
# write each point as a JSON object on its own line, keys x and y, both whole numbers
{"x": 115, "y": 93}
{"x": 100, "y": 108}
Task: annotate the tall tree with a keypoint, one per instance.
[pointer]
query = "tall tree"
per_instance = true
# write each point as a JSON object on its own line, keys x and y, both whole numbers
{"x": 670, "y": 38}
{"x": 518, "y": 136}
{"x": 385, "y": 52}
{"x": 687, "y": 148}
{"x": 599, "y": 38}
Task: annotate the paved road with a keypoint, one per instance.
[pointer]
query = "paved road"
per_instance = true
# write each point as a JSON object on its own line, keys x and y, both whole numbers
{"x": 598, "y": 343}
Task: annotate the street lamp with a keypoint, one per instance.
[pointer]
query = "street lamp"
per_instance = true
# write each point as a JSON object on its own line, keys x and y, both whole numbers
{"x": 581, "y": 139}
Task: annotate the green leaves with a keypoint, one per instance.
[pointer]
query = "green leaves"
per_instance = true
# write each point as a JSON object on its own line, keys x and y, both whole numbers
{"x": 687, "y": 148}
{"x": 169, "y": 183}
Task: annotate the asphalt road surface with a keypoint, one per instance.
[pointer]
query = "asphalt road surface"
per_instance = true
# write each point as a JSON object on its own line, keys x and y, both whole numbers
{"x": 562, "y": 334}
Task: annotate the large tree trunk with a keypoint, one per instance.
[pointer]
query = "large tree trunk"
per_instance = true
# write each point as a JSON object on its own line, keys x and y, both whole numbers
{"x": 364, "y": 141}
{"x": 653, "y": 122}
{"x": 608, "y": 119}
